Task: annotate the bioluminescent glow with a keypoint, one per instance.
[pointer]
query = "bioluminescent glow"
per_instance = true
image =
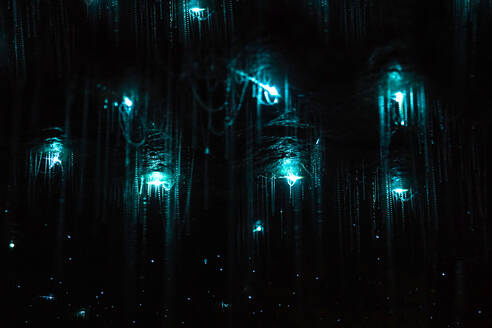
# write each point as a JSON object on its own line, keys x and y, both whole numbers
{"x": 200, "y": 14}
{"x": 56, "y": 146}
{"x": 160, "y": 179}
{"x": 48, "y": 297}
{"x": 12, "y": 244}
{"x": 224, "y": 305}
{"x": 395, "y": 76}
{"x": 54, "y": 153}
{"x": 288, "y": 170}
{"x": 53, "y": 160}
{"x": 402, "y": 194}
{"x": 81, "y": 314}
{"x": 48, "y": 156}
{"x": 270, "y": 92}
{"x": 156, "y": 179}
{"x": 128, "y": 102}
{"x": 197, "y": 10}
{"x": 395, "y": 73}
{"x": 258, "y": 227}
{"x": 399, "y": 98}
{"x": 207, "y": 151}
{"x": 292, "y": 178}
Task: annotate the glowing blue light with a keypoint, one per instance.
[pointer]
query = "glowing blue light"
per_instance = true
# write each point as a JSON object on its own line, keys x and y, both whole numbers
{"x": 396, "y": 76}
{"x": 258, "y": 227}
{"x": 270, "y": 93}
{"x": 159, "y": 179}
{"x": 81, "y": 314}
{"x": 11, "y": 245}
{"x": 56, "y": 147}
{"x": 156, "y": 179}
{"x": 52, "y": 152}
{"x": 399, "y": 98}
{"x": 271, "y": 90}
{"x": 225, "y": 305}
{"x": 207, "y": 151}
{"x": 200, "y": 14}
{"x": 403, "y": 194}
{"x": 395, "y": 73}
{"x": 292, "y": 178}
{"x": 205, "y": 261}
{"x": 197, "y": 10}
{"x": 127, "y": 101}
{"x": 54, "y": 160}
{"x": 48, "y": 297}
{"x": 288, "y": 169}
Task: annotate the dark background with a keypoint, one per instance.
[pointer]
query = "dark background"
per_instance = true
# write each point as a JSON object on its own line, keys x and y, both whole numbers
{"x": 127, "y": 263}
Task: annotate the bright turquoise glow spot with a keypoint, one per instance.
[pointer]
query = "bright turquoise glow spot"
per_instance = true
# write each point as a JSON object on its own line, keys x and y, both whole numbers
{"x": 207, "y": 151}
{"x": 197, "y": 10}
{"x": 49, "y": 297}
{"x": 200, "y": 14}
{"x": 399, "y": 98}
{"x": 292, "y": 178}
{"x": 11, "y": 245}
{"x": 289, "y": 169}
{"x": 156, "y": 179}
{"x": 81, "y": 314}
{"x": 258, "y": 227}
{"x": 54, "y": 160}
{"x": 395, "y": 76}
{"x": 54, "y": 153}
{"x": 127, "y": 101}
{"x": 395, "y": 73}
{"x": 159, "y": 179}
{"x": 402, "y": 194}
{"x": 56, "y": 147}
{"x": 270, "y": 93}
{"x": 271, "y": 90}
